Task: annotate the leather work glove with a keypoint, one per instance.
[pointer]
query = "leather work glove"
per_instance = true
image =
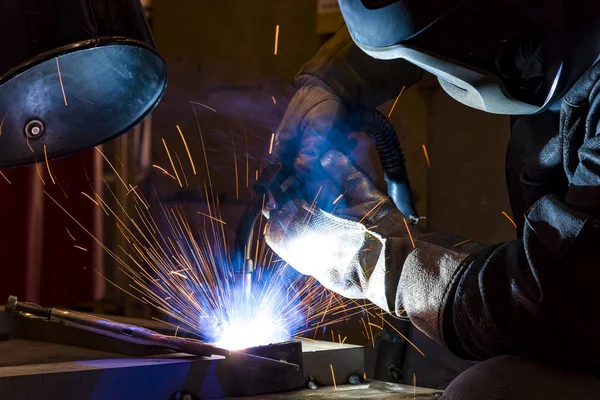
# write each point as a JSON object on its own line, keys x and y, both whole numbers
{"x": 314, "y": 123}
{"x": 340, "y": 79}
{"x": 343, "y": 248}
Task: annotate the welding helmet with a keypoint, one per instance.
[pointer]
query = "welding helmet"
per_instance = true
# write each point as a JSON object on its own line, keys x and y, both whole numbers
{"x": 500, "y": 56}
{"x": 73, "y": 74}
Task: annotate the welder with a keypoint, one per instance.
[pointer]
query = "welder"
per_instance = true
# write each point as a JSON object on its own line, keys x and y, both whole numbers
{"x": 526, "y": 308}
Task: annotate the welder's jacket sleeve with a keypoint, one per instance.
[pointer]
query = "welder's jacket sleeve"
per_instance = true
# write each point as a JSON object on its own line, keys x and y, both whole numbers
{"x": 536, "y": 296}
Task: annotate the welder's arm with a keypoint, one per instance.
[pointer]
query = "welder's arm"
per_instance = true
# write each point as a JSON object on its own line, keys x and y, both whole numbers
{"x": 533, "y": 297}
{"x": 537, "y": 296}
{"x": 339, "y": 79}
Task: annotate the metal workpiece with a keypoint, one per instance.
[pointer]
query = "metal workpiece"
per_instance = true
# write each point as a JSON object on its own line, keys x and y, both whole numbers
{"x": 34, "y": 365}
{"x": 105, "y": 367}
{"x": 141, "y": 336}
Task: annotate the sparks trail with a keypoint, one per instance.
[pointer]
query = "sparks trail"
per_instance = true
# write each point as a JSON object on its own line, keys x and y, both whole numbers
{"x": 271, "y": 145}
{"x": 48, "y": 165}
{"x": 4, "y": 176}
{"x": 333, "y": 376}
{"x": 172, "y": 164}
{"x": 182, "y": 170}
{"x": 164, "y": 171}
{"x": 409, "y": 233}
{"x": 463, "y": 242}
{"x": 276, "y": 39}
{"x": 62, "y": 87}
{"x": 509, "y": 218}
{"x": 187, "y": 149}
{"x": 90, "y": 198}
{"x": 2, "y": 122}
{"x": 235, "y": 165}
{"x": 396, "y": 102}
{"x": 426, "y": 156}
{"x": 203, "y": 105}
{"x": 180, "y": 265}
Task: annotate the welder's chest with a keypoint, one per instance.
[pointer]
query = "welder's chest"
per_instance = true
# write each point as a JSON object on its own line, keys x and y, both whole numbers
{"x": 534, "y": 162}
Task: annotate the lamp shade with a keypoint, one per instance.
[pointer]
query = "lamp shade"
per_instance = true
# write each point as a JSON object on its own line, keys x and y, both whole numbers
{"x": 73, "y": 74}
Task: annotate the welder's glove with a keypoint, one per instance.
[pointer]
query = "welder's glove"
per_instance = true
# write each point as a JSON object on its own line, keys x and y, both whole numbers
{"x": 338, "y": 80}
{"x": 345, "y": 248}
{"x": 314, "y": 123}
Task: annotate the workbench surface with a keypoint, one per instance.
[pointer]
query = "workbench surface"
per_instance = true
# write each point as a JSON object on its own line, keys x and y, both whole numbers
{"x": 371, "y": 390}
{"x": 37, "y": 368}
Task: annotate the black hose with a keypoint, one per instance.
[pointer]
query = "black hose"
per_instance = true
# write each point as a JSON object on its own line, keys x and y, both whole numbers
{"x": 384, "y": 136}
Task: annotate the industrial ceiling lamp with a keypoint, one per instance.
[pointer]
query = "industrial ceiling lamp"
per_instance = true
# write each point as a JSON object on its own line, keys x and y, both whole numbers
{"x": 73, "y": 74}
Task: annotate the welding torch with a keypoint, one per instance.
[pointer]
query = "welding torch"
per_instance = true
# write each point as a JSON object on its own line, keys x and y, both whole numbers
{"x": 280, "y": 184}
{"x": 277, "y": 183}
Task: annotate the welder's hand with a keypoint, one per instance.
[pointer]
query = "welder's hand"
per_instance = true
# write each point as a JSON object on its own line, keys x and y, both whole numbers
{"x": 314, "y": 123}
{"x": 343, "y": 248}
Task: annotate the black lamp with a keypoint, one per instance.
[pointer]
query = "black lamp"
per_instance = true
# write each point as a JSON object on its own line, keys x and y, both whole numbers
{"x": 73, "y": 74}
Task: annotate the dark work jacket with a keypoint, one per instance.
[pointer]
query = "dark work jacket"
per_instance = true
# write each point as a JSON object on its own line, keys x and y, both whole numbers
{"x": 534, "y": 296}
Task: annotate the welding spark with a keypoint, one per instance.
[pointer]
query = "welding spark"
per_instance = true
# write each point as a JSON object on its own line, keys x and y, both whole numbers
{"x": 72, "y": 237}
{"x": 4, "y": 176}
{"x": 61, "y": 82}
{"x": 396, "y": 102}
{"x": 130, "y": 190}
{"x": 426, "y": 156}
{"x": 2, "y": 122}
{"x": 276, "y": 39}
{"x": 172, "y": 164}
{"x": 509, "y": 218}
{"x": 90, "y": 198}
{"x": 48, "y": 165}
{"x": 414, "y": 385}
{"x": 85, "y": 101}
{"x": 203, "y": 105}
{"x": 272, "y": 141}
{"x": 333, "y": 377}
{"x": 201, "y": 297}
{"x": 409, "y": 234}
{"x": 274, "y": 100}
{"x": 463, "y": 242}
{"x": 164, "y": 171}
{"x": 213, "y": 218}
{"x": 187, "y": 149}
{"x": 338, "y": 199}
